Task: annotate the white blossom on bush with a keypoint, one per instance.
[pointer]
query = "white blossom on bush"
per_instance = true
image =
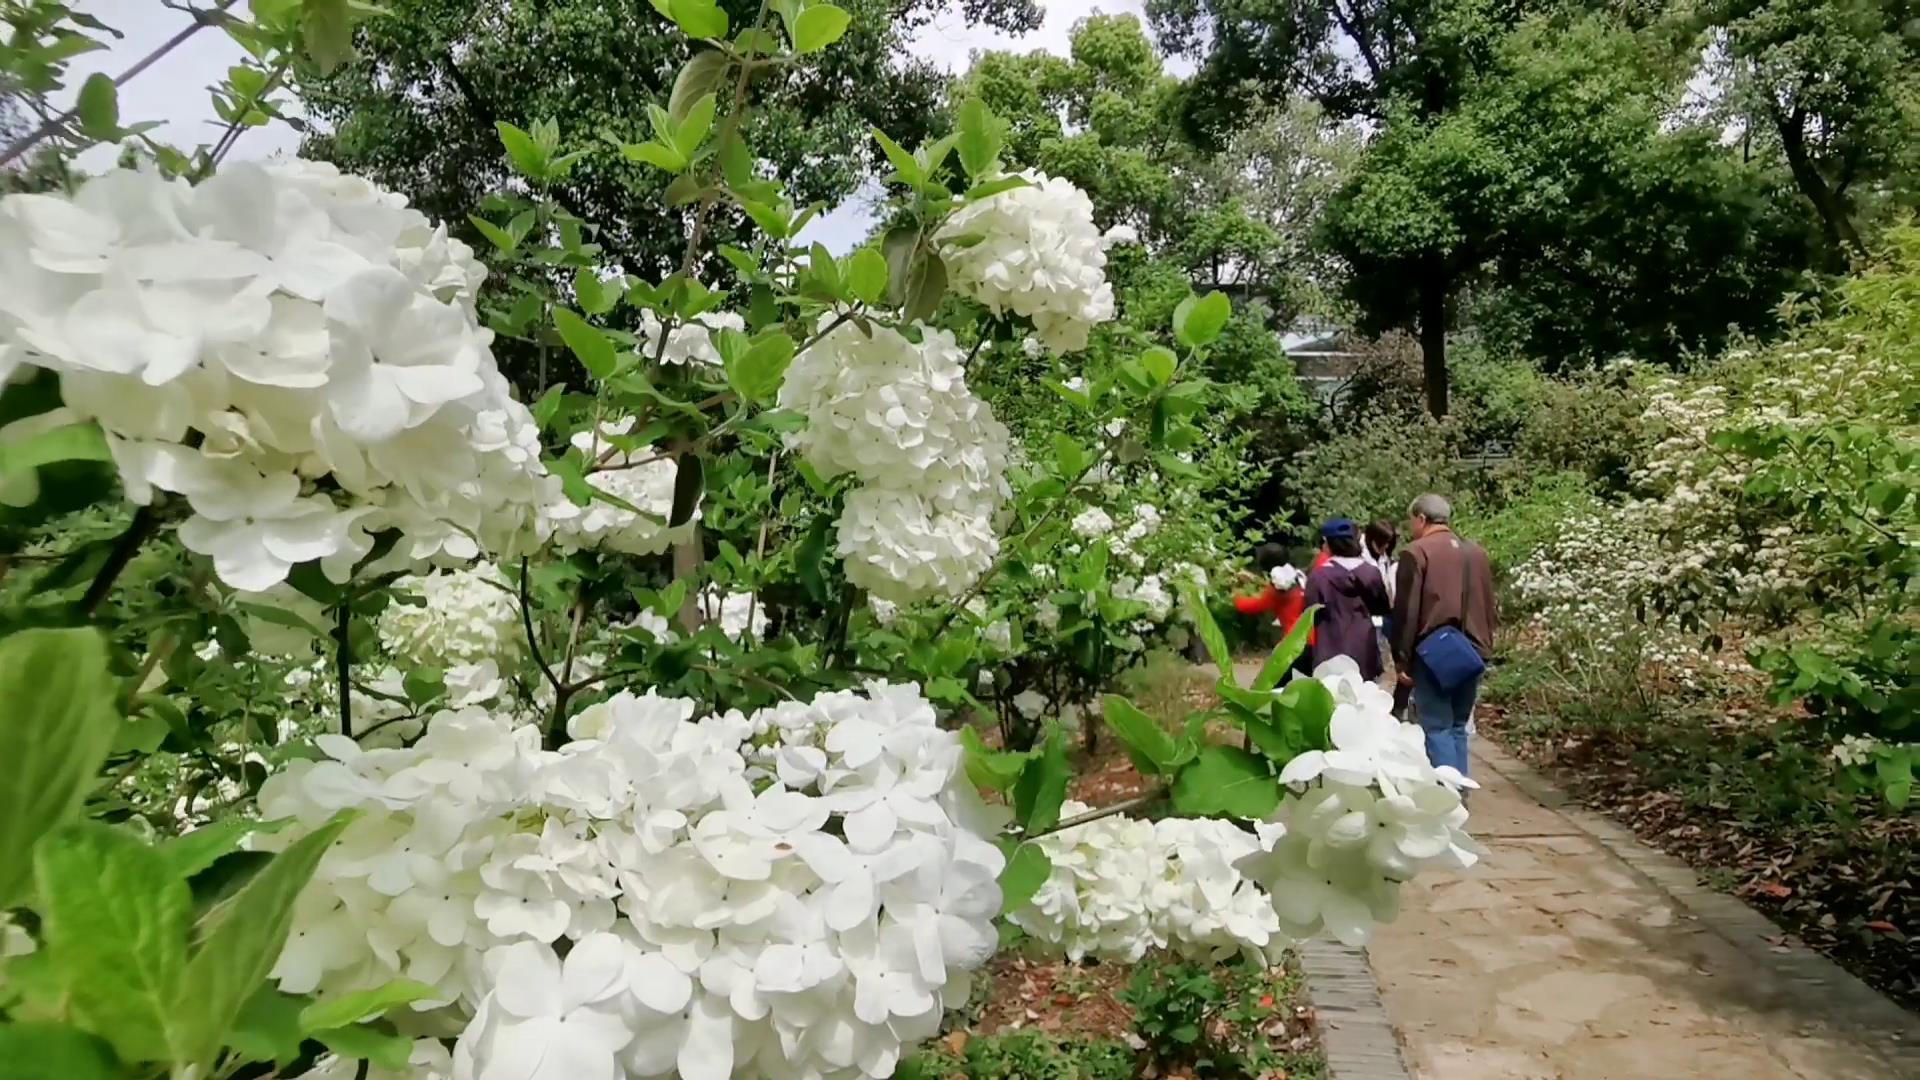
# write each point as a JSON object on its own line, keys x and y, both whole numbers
{"x": 1092, "y": 523}
{"x": 1038, "y": 254}
{"x": 740, "y": 616}
{"x": 688, "y": 343}
{"x": 1121, "y": 886}
{"x": 1286, "y": 577}
{"x": 930, "y": 458}
{"x": 243, "y": 339}
{"x": 1362, "y": 818}
{"x": 464, "y": 616}
{"x": 810, "y": 918}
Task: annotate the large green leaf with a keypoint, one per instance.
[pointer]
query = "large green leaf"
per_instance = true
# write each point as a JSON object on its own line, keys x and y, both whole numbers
{"x": 1305, "y": 710}
{"x": 819, "y": 26}
{"x": 594, "y": 349}
{"x": 1151, "y": 749}
{"x": 57, "y": 722}
{"x": 1227, "y": 780}
{"x": 755, "y": 372}
{"x": 988, "y": 768}
{"x": 1042, "y": 786}
{"x": 981, "y": 136}
{"x": 1027, "y": 869}
{"x": 364, "y": 1004}
{"x": 116, "y": 920}
{"x": 237, "y": 941}
{"x": 190, "y": 853}
{"x": 1199, "y": 319}
{"x": 1209, "y": 631}
{"x": 867, "y": 275}
{"x": 54, "y": 1052}
{"x": 1285, "y": 653}
{"x": 99, "y": 107}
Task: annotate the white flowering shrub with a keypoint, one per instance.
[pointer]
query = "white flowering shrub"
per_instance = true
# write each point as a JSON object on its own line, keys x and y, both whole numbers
{"x": 627, "y": 733}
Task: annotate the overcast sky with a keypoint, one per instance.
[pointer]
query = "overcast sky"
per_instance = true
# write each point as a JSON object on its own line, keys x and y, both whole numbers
{"x": 174, "y": 90}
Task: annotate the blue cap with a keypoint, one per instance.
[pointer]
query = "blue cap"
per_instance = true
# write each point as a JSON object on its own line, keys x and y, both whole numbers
{"x": 1339, "y": 529}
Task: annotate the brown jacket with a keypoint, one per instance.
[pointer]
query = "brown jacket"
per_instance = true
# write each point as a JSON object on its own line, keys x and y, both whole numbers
{"x": 1442, "y": 580}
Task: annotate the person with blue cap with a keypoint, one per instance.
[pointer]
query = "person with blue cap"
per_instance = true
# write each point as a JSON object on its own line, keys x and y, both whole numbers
{"x": 1349, "y": 592}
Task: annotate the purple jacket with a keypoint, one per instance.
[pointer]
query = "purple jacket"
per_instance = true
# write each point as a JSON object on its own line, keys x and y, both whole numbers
{"x": 1349, "y": 598}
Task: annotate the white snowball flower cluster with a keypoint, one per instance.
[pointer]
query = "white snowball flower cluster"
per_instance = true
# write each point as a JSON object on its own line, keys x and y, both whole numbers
{"x": 930, "y": 457}
{"x": 688, "y": 343}
{"x": 1038, "y": 254}
{"x": 739, "y": 615}
{"x": 244, "y": 339}
{"x": 640, "y": 477}
{"x": 466, "y": 616}
{"x": 1092, "y": 523}
{"x": 1151, "y": 591}
{"x": 811, "y": 919}
{"x": 1122, "y": 886}
{"x": 1287, "y": 576}
{"x": 1365, "y": 817}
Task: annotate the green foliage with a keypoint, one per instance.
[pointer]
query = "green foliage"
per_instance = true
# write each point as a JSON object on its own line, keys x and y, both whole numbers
{"x": 1024, "y": 1055}
{"x": 1213, "y": 1019}
{"x": 56, "y": 725}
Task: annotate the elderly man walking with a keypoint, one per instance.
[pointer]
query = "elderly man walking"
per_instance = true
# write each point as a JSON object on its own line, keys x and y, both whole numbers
{"x": 1443, "y": 624}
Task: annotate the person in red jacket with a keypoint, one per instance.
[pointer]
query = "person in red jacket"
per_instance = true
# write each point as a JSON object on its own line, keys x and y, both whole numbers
{"x": 1284, "y": 596}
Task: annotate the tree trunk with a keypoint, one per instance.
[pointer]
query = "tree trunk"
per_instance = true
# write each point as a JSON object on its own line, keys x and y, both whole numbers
{"x": 1828, "y": 203}
{"x": 1433, "y": 334}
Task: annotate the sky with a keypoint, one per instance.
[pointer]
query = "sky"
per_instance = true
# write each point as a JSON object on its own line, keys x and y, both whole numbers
{"x": 174, "y": 90}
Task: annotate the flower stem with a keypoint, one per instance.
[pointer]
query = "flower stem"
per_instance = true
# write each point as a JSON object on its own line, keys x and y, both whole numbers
{"x": 343, "y": 663}
{"x": 1090, "y": 816}
{"x": 124, "y": 549}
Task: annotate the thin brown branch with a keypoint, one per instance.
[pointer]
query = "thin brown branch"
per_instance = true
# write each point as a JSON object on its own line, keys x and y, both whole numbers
{"x": 1122, "y": 807}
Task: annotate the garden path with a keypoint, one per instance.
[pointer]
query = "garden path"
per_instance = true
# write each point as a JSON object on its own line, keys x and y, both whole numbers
{"x": 1556, "y": 959}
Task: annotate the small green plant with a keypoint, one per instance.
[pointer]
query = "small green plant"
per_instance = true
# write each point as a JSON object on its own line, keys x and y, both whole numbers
{"x": 1218, "y": 1021}
{"x": 1024, "y": 1055}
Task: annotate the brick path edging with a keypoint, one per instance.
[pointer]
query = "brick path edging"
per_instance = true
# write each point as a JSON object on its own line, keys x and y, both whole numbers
{"x": 1862, "y": 1011}
{"x": 1355, "y": 1034}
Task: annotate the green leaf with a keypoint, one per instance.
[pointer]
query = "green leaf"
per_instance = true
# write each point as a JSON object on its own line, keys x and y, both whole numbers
{"x": 268, "y": 1027}
{"x": 867, "y": 275}
{"x": 1199, "y": 319}
{"x": 980, "y": 137}
{"x": 1069, "y": 456}
{"x": 365, "y": 1004}
{"x": 239, "y": 939}
{"x": 1042, "y": 786}
{"x": 819, "y": 26}
{"x": 693, "y": 130}
{"x": 56, "y": 1052}
{"x": 190, "y": 853}
{"x": 116, "y": 919}
{"x": 659, "y": 155}
{"x": 689, "y": 483}
{"x": 1027, "y": 869}
{"x": 1159, "y": 362}
{"x": 68, "y": 442}
{"x": 326, "y": 26}
{"x": 1285, "y": 653}
{"x": 99, "y": 108}
{"x": 1149, "y": 746}
{"x": 1209, "y": 631}
{"x": 594, "y": 349}
{"x": 757, "y": 372}
{"x": 385, "y": 1050}
{"x": 699, "y": 18}
{"x": 424, "y": 684}
{"x": 701, "y": 77}
{"x": 927, "y": 287}
{"x": 1226, "y": 780}
{"x": 57, "y": 722}
{"x": 995, "y": 770}
{"x": 527, "y": 157}
{"x": 986, "y": 189}
{"x": 904, "y": 164}
{"x": 1305, "y": 709}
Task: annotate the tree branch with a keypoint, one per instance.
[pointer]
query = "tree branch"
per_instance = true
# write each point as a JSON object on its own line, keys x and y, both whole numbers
{"x": 1090, "y": 816}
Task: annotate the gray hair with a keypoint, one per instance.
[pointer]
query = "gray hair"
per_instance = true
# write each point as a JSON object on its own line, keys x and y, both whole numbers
{"x": 1434, "y": 508}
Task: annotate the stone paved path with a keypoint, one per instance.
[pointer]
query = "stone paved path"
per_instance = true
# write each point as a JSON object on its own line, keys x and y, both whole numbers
{"x": 1556, "y": 959}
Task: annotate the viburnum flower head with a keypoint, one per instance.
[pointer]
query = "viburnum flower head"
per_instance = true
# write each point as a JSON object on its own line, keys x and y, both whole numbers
{"x": 1033, "y": 250}
{"x": 1361, "y": 819}
{"x": 299, "y": 325}
{"x": 688, "y": 343}
{"x": 813, "y": 921}
{"x": 464, "y": 616}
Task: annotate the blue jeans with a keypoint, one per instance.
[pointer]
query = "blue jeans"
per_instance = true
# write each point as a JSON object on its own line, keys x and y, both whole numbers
{"x": 1443, "y": 716}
